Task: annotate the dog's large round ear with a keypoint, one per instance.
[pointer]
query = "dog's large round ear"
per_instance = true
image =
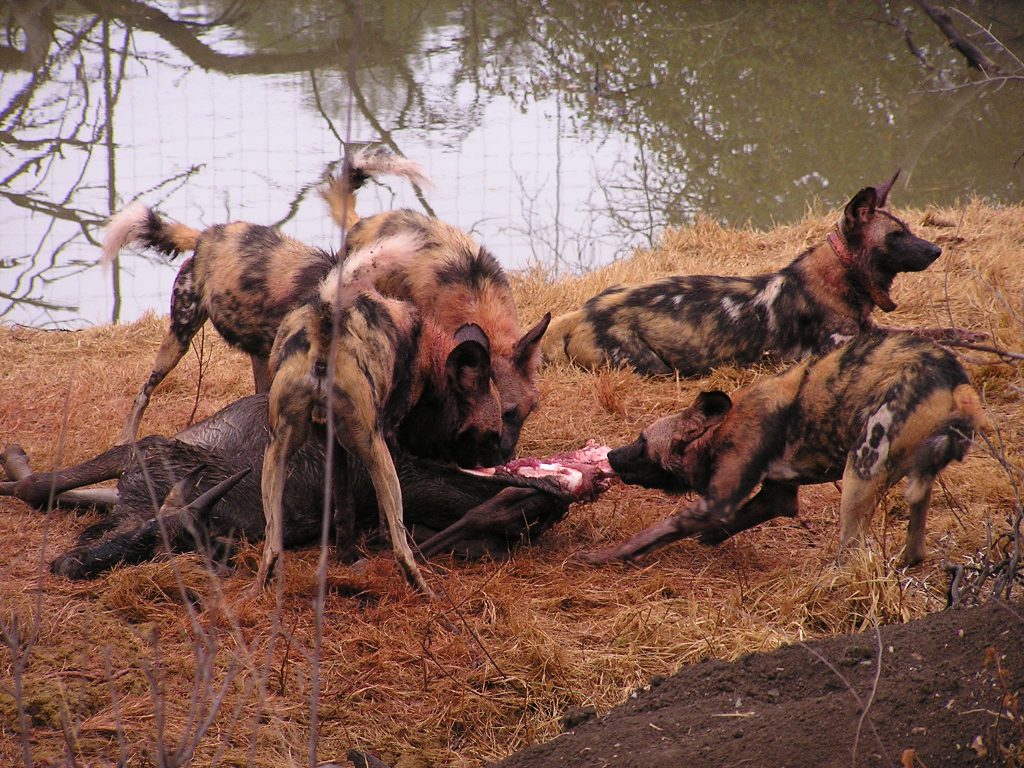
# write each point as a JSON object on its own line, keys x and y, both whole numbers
{"x": 713, "y": 405}
{"x": 859, "y": 209}
{"x": 469, "y": 364}
{"x": 527, "y": 349}
{"x": 882, "y": 190}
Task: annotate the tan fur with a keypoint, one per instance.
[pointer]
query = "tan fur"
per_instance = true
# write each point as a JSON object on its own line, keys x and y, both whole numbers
{"x": 880, "y": 409}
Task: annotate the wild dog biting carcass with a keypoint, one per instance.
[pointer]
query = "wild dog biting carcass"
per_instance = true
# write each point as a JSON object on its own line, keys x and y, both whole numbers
{"x": 453, "y": 280}
{"x": 359, "y": 363}
{"x": 243, "y": 277}
{"x": 880, "y": 408}
{"x": 200, "y": 491}
{"x": 691, "y": 323}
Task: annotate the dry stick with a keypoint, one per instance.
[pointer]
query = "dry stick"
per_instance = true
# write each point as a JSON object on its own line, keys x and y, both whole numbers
{"x": 864, "y": 707}
{"x": 115, "y": 700}
{"x": 976, "y": 58}
{"x": 199, "y": 349}
{"x": 321, "y": 572}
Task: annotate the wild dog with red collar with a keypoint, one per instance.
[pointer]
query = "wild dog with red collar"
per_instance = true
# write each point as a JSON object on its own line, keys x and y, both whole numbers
{"x": 454, "y": 280}
{"x": 366, "y": 364}
{"x": 691, "y": 323}
{"x": 883, "y": 407}
{"x": 243, "y": 277}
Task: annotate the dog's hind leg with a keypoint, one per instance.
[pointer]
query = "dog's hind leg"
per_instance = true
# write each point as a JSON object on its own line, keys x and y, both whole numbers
{"x": 261, "y": 373}
{"x": 918, "y": 494}
{"x": 382, "y": 472}
{"x": 187, "y": 317}
{"x": 288, "y": 436}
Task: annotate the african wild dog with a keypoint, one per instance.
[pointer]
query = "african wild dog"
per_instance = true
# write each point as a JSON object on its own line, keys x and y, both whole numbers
{"x": 883, "y": 407}
{"x": 690, "y": 324}
{"x": 200, "y": 490}
{"x": 454, "y": 280}
{"x": 351, "y": 359}
{"x": 244, "y": 277}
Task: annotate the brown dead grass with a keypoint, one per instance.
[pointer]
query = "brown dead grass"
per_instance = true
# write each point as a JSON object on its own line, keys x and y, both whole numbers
{"x": 515, "y": 644}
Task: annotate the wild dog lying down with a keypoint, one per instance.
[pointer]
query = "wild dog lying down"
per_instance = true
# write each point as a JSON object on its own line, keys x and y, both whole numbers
{"x": 453, "y": 280}
{"x": 881, "y": 408}
{"x": 692, "y": 323}
{"x": 206, "y": 482}
{"x": 244, "y": 277}
{"x": 368, "y": 366}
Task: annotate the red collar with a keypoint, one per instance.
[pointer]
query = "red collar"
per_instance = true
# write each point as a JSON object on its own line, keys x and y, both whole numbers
{"x": 842, "y": 250}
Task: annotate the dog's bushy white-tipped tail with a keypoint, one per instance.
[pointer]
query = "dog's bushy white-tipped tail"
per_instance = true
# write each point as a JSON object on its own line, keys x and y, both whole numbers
{"x": 124, "y": 227}
{"x": 339, "y": 191}
{"x": 137, "y": 224}
{"x": 363, "y": 266}
{"x": 378, "y": 161}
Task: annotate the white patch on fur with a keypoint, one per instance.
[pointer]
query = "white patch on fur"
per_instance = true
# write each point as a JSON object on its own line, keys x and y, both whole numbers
{"x": 838, "y": 339}
{"x": 363, "y": 265}
{"x": 882, "y": 417}
{"x": 767, "y": 297}
{"x": 782, "y": 471}
{"x": 732, "y": 308}
{"x": 122, "y": 228}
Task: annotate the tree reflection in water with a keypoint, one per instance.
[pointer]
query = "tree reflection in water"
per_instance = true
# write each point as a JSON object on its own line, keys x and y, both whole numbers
{"x": 563, "y": 132}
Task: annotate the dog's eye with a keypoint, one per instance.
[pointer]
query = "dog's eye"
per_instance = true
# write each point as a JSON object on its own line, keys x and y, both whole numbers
{"x": 510, "y": 415}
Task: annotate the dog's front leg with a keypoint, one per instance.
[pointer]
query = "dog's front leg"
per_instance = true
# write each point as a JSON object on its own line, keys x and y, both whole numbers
{"x": 287, "y": 437}
{"x": 773, "y": 500}
{"x": 698, "y": 518}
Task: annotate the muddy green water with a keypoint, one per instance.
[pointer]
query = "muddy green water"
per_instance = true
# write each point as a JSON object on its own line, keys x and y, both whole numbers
{"x": 560, "y": 133}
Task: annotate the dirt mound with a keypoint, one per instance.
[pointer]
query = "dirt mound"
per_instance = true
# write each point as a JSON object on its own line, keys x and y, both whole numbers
{"x": 939, "y": 691}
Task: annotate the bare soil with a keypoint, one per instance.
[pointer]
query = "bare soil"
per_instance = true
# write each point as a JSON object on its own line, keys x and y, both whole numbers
{"x": 943, "y": 690}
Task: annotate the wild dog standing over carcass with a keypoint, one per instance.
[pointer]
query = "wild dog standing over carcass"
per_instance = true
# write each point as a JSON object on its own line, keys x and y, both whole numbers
{"x": 206, "y": 480}
{"x": 362, "y": 363}
{"x": 453, "y": 280}
{"x": 244, "y": 277}
{"x": 883, "y": 407}
{"x": 691, "y": 323}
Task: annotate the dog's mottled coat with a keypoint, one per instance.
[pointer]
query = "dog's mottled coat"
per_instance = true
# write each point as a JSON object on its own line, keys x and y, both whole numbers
{"x": 365, "y": 364}
{"x": 883, "y": 407}
{"x": 243, "y": 277}
{"x": 454, "y": 280}
{"x": 691, "y": 323}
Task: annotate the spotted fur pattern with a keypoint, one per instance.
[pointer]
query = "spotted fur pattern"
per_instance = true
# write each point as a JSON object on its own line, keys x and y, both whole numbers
{"x": 243, "y": 277}
{"x": 883, "y": 407}
{"x": 690, "y": 324}
{"x": 367, "y": 364}
{"x": 454, "y": 280}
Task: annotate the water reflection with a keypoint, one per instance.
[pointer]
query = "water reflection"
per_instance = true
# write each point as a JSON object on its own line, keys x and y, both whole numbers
{"x": 562, "y": 132}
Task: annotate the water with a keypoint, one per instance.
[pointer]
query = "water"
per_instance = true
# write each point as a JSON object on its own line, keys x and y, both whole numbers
{"x": 562, "y": 134}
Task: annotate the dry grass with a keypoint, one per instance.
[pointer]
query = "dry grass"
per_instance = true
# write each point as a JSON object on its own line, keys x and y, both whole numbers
{"x": 114, "y": 667}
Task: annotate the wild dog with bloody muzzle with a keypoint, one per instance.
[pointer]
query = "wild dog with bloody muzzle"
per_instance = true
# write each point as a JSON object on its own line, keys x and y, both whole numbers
{"x": 883, "y": 407}
{"x": 364, "y": 364}
{"x": 453, "y": 280}
{"x": 691, "y": 323}
{"x": 243, "y": 277}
